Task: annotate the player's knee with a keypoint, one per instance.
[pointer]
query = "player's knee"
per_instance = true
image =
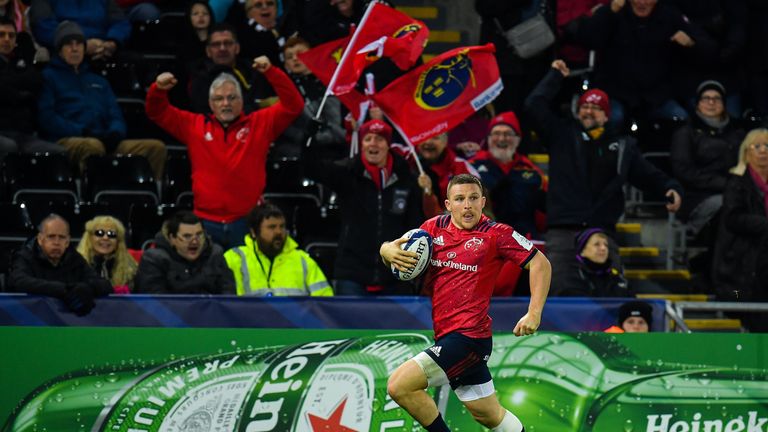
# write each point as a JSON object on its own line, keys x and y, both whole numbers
{"x": 488, "y": 415}
{"x": 395, "y": 388}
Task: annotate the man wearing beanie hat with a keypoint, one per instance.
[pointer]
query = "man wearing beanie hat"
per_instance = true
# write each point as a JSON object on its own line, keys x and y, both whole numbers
{"x": 635, "y": 317}
{"x": 80, "y": 111}
{"x": 516, "y": 186}
{"x": 379, "y": 199}
{"x": 589, "y": 164}
{"x": 701, "y": 153}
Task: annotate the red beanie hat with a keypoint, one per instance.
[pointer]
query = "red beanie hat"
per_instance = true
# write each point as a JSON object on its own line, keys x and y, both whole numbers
{"x": 508, "y": 118}
{"x": 597, "y": 97}
{"x": 377, "y": 127}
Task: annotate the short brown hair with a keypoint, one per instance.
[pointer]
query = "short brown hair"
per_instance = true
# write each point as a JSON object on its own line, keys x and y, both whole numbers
{"x": 465, "y": 179}
{"x": 295, "y": 40}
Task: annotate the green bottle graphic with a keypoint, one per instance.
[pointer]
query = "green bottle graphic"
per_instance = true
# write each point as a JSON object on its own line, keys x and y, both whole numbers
{"x": 590, "y": 382}
{"x": 336, "y": 385}
{"x": 586, "y": 382}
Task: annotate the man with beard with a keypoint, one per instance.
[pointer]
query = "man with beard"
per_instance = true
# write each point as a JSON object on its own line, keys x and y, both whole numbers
{"x": 184, "y": 261}
{"x": 271, "y": 263}
{"x": 516, "y": 186}
{"x": 589, "y": 164}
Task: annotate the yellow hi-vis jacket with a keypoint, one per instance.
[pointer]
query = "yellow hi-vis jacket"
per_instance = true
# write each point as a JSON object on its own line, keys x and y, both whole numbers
{"x": 292, "y": 273}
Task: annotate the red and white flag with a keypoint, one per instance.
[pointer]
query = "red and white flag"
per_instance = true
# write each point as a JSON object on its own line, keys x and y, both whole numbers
{"x": 437, "y": 96}
{"x": 323, "y": 60}
{"x": 382, "y": 32}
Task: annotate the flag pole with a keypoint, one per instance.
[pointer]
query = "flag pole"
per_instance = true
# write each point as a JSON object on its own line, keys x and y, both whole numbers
{"x": 328, "y": 91}
{"x": 408, "y": 142}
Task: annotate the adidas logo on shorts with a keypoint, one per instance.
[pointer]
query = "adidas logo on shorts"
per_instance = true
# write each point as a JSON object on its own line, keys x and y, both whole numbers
{"x": 436, "y": 350}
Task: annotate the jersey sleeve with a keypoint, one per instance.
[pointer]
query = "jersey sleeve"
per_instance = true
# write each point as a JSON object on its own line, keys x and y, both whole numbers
{"x": 513, "y": 246}
{"x": 430, "y": 226}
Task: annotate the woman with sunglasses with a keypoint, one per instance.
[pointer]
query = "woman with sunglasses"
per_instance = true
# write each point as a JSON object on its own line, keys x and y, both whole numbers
{"x": 103, "y": 247}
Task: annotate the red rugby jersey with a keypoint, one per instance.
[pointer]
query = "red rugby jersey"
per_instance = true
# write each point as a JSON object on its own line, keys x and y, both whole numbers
{"x": 462, "y": 271}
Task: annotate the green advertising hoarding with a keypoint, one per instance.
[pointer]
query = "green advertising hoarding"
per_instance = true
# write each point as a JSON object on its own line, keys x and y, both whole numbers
{"x": 169, "y": 379}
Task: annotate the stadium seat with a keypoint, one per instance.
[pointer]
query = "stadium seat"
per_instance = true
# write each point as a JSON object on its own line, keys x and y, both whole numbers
{"x": 325, "y": 255}
{"x": 122, "y": 78}
{"x": 42, "y": 175}
{"x": 16, "y": 227}
{"x": 157, "y": 36}
{"x": 144, "y": 221}
{"x": 137, "y": 123}
{"x": 302, "y": 211}
{"x": 285, "y": 175}
{"x": 119, "y": 182}
{"x": 15, "y": 221}
{"x": 178, "y": 177}
{"x": 118, "y": 174}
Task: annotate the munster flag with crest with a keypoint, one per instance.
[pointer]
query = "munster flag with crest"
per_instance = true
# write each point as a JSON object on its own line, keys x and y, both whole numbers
{"x": 322, "y": 60}
{"x": 437, "y": 96}
{"x": 383, "y": 32}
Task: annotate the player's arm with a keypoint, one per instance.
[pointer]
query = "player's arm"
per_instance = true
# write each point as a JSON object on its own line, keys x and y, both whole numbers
{"x": 391, "y": 253}
{"x": 540, "y": 276}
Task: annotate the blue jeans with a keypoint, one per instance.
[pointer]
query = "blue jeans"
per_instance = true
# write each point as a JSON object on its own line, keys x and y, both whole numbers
{"x": 227, "y": 235}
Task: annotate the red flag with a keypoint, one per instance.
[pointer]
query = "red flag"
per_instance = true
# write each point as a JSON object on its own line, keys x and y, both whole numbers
{"x": 437, "y": 96}
{"x": 322, "y": 60}
{"x": 383, "y": 32}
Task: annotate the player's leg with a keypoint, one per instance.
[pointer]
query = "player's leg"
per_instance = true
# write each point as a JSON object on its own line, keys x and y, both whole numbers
{"x": 482, "y": 403}
{"x": 407, "y": 387}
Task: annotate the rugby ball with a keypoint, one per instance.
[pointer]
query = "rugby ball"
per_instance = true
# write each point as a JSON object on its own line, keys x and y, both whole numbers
{"x": 419, "y": 241}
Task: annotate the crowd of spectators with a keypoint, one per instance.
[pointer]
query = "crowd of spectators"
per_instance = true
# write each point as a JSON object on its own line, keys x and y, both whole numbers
{"x": 239, "y": 94}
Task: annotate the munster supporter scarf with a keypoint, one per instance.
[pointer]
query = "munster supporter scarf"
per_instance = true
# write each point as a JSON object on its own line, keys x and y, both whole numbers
{"x": 761, "y": 184}
{"x": 379, "y": 175}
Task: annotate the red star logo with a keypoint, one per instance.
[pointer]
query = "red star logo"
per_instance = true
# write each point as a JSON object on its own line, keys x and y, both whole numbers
{"x": 332, "y": 423}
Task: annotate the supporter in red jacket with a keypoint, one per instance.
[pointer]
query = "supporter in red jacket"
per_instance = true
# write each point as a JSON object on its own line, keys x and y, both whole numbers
{"x": 227, "y": 149}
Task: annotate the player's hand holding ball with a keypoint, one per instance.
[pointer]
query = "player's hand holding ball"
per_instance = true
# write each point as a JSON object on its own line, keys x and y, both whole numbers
{"x": 412, "y": 256}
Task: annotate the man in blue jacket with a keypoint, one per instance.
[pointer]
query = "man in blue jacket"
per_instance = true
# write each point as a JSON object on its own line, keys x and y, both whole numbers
{"x": 79, "y": 110}
{"x": 103, "y": 22}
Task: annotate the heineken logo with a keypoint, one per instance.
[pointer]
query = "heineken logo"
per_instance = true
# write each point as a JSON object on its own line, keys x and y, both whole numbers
{"x": 280, "y": 386}
{"x": 666, "y": 423}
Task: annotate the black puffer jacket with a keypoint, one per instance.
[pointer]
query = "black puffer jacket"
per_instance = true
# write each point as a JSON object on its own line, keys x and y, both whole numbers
{"x": 20, "y": 85}
{"x": 369, "y": 216}
{"x": 592, "y": 280}
{"x": 740, "y": 268}
{"x": 32, "y": 273}
{"x": 701, "y": 156}
{"x": 163, "y": 271}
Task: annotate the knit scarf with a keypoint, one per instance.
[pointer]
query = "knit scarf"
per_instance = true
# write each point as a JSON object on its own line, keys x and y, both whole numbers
{"x": 379, "y": 175}
{"x": 762, "y": 185}
{"x": 718, "y": 124}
